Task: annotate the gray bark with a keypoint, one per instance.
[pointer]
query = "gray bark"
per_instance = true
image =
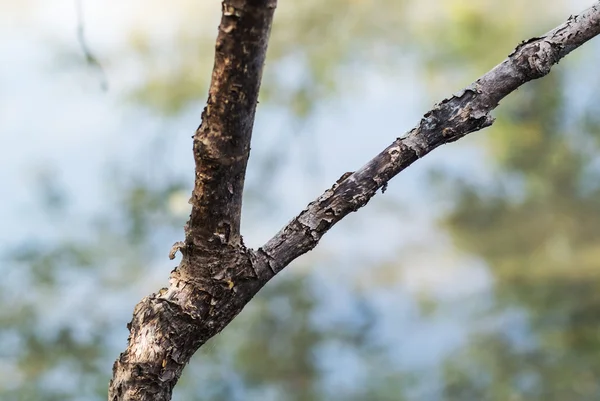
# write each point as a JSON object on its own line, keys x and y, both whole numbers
{"x": 218, "y": 275}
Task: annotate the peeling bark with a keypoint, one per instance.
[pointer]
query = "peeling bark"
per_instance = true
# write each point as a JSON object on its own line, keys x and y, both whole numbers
{"x": 451, "y": 119}
{"x": 218, "y": 275}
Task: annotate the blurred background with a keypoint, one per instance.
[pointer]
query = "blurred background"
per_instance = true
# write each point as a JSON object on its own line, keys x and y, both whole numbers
{"x": 476, "y": 276}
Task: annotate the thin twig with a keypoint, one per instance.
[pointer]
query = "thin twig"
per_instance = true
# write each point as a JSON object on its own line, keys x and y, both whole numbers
{"x": 89, "y": 56}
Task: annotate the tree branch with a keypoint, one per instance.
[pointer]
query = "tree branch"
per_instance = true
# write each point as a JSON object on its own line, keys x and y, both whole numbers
{"x": 451, "y": 119}
{"x": 222, "y": 142}
{"x": 168, "y": 327}
{"x": 89, "y": 56}
{"x": 218, "y": 276}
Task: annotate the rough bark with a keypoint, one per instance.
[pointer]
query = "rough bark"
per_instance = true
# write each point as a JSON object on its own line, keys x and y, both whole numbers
{"x": 451, "y": 119}
{"x": 218, "y": 275}
{"x": 215, "y": 278}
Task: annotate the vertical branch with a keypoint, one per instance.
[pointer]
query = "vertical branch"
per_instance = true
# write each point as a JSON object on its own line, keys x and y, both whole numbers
{"x": 216, "y": 276}
{"x": 222, "y": 142}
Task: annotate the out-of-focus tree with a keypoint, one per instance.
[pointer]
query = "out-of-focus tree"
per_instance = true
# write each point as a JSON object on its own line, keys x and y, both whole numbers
{"x": 536, "y": 227}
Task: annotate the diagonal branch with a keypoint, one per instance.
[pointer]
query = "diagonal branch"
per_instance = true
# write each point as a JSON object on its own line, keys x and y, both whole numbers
{"x": 451, "y": 119}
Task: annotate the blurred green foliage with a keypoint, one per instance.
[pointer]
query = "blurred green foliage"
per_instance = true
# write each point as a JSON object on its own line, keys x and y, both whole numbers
{"x": 535, "y": 227}
{"x": 541, "y": 240}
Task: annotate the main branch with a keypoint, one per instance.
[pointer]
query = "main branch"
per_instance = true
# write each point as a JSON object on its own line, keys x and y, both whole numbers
{"x": 218, "y": 276}
{"x": 168, "y": 327}
{"x": 222, "y": 142}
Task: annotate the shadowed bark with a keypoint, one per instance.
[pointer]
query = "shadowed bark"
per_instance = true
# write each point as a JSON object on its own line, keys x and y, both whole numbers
{"x": 218, "y": 275}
